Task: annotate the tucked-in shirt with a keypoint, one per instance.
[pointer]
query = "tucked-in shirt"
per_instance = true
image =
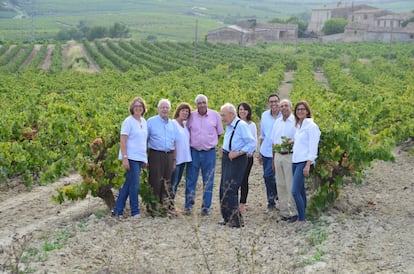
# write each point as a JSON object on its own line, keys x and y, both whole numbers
{"x": 204, "y": 129}
{"x": 242, "y": 137}
{"x": 306, "y": 142}
{"x": 136, "y": 143}
{"x": 266, "y": 126}
{"x": 283, "y": 128}
{"x": 182, "y": 144}
{"x": 162, "y": 134}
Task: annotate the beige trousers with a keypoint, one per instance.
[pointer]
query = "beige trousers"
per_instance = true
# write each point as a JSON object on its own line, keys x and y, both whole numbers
{"x": 284, "y": 181}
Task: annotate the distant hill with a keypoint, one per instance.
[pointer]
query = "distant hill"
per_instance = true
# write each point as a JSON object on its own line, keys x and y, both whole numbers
{"x": 171, "y": 20}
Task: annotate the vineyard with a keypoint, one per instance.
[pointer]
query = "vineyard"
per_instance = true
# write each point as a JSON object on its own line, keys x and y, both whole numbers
{"x": 53, "y": 112}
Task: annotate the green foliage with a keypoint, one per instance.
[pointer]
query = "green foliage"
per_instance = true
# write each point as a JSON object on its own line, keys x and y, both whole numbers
{"x": 334, "y": 25}
{"x": 56, "y": 122}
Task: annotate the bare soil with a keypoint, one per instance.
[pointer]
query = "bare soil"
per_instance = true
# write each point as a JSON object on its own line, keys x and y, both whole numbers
{"x": 369, "y": 229}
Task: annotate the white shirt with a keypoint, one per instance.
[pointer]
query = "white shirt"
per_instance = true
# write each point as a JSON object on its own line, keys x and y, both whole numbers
{"x": 253, "y": 129}
{"x": 306, "y": 142}
{"x": 283, "y": 128}
{"x": 266, "y": 126}
{"x": 182, "y": 144}
{"x": 136, "y": 143}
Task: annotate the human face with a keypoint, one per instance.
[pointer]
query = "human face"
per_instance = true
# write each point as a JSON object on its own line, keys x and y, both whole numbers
{"x": 138, "y": 109}
{"x": 164, "y": 110}
{"x": 285, "y": 108}
{"x": 183, "y": 114}
{"x": 202, "y": 106}
{"x": 226, "y": 116}
{"x": 243, "y": 113}
{"x": 301, "y": 112}
{"x": 274, "y": 104}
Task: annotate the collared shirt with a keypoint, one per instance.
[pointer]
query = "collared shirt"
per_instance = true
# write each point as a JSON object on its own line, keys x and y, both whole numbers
{"x": 266, "y": 126}
{"x": 242, "y": 137}
{"x": 283, "y": 128}
{"x": 161, "y": 134}
{"x": 306, "y": 142}
{"x": 136, "y": 143}
{"x": 182, "y": 144}
{"x": 204, "y": 129}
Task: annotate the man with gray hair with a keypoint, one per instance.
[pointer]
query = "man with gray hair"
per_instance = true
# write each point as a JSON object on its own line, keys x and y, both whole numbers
{"x": 238, "y": 142}
{"x": 283, "y": 134}
{"x": 162, "y": 134}
{"x": 205, "y": 127}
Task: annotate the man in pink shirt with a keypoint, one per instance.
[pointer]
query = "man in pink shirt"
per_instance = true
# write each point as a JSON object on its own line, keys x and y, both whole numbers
{"x": 205, "y": 127}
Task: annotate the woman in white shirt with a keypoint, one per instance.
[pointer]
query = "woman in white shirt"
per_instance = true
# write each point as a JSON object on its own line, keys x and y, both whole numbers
{"x": 244, "y": 111}
{"x": 305, "y": 152}
{"x": 183, "y": 152}
{"x": 133, "y": 153}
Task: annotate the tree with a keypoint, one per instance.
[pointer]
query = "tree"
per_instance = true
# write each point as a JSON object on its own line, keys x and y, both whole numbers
{"x": 335, "y": 25}
{"x": 119, "y": 30}
{"x": 96, "y": 32}
{"x": 405, "y": 23}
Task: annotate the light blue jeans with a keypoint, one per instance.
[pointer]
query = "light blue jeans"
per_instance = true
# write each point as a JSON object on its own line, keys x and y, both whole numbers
{"x": 129, "y": 188}
{"x": 206, "y": 161}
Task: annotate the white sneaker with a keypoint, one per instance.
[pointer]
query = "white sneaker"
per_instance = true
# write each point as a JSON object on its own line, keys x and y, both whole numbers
{"x": 137, "y": 216}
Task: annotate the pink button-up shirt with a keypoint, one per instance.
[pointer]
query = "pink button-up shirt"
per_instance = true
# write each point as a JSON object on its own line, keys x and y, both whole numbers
{"x": 204, "y": 129}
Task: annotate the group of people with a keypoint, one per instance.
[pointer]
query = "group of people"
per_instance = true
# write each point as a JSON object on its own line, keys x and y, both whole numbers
{"x": 188, "y": 142}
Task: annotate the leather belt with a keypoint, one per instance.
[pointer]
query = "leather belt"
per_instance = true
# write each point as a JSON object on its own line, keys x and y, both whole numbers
{"x": 204, "y": 150}
{"x": 285, "y": 152}
{"x": 162, "y": 151}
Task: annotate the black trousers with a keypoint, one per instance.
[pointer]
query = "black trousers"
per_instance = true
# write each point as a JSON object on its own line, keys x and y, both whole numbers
{"x": 232, "y": 172}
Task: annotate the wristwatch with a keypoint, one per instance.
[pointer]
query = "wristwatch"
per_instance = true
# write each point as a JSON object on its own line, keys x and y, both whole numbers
{"x": 125, "y": 156}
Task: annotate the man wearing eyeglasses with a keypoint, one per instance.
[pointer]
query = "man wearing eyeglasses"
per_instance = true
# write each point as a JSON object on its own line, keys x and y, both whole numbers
{"x": 265, "y": 157}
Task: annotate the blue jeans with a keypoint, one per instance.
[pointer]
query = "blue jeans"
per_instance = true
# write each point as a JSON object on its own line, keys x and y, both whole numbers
{"x": 129, "y": 188}
{"x": 176, "y": 177}
{"x": 231, "y": 179}
{"x": 298, "y": 189}
{"x": 206, "y": 161}
{"x": 270, "y": 181}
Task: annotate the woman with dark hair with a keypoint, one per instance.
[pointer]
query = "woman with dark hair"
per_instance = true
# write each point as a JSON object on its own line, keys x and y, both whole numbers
{"x": 183, "y": 152}
{"x": 244, "y": 112}
{"x": 133, "y": 153}
{"x": 305, "y": 152}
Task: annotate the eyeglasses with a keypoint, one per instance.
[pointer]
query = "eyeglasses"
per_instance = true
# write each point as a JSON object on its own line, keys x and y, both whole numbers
{"x": 138, "y": 106}
{"x": 273, "y": 102}
{"x": 301, "y": 109}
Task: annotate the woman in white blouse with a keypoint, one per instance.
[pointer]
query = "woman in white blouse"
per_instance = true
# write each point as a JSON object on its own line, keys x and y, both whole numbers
{"x": 244, "y": 112}
{"x": 305, "y": 152}
{"x": 183, "y": 152}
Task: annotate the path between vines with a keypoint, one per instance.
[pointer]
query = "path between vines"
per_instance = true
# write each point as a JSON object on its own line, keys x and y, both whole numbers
{"x": 369, "y": 229}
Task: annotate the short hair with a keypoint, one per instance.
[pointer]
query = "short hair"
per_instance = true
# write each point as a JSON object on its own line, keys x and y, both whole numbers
{"x": 164, "y": 101}
{"x": 286, "y": 100}
{"x": 306, "y": 105}
{"x": 200, "y": 96}
{"x": 181, "y": 107}
{"x": 247, "y": 107}
{"x": 133, "y": 103}
{"x": 229, "y": 107}
{"x": 273, "y": 95}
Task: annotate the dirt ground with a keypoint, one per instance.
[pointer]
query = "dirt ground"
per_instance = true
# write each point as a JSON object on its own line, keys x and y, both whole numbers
{"x": 368, "y": 230}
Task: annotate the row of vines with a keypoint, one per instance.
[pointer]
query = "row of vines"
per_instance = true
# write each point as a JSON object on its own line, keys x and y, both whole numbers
{"x": 56, "y": 122}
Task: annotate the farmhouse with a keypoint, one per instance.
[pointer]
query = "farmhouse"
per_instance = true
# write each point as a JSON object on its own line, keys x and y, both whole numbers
{"x": 250, "y": 32}
{"x": 366, "y": 23}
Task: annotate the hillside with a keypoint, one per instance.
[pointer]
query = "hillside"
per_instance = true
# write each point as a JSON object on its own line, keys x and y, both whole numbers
{"x": 172, "y": 20}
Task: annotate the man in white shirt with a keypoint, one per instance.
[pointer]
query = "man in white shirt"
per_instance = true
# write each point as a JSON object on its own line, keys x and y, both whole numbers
{"x": 283, "y": 133}
{"x": 265, "y": 157}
